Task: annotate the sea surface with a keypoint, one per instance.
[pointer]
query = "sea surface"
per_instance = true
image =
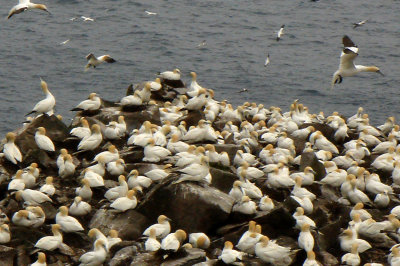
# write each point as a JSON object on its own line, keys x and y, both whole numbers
{"x": 238, "y": 36}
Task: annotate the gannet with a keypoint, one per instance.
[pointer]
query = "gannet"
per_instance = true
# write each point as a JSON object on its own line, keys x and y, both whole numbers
{"x": 249, "y": 238}
{"x": 17, "y": 183}
{"x": 301, "y": 192}
{"x": 135, "y": 180}
{"x": 194, "y": 87}
{"x": 171, "y": 75}
{"x": 280, "y": 33}
{"x": 118, "y": 191}
{"x": 48, "y": 187}
{"x": 25, "y": 5}
{"x": 348, "y": 237}
{"x": 245, "y": 205}
{"x": 93, "y": 141}
{"x": 199, "y": 240}
{"x": 95, "y": 257}
{"x": 175, "y": 145}
{"x": 229, "y": 255}
{"x": 307, "y": 177}
{"x": 5, "y": 235}
{"x": 199, "y": 172}
{"x": 266, "y": 204}
{"x": 305, "y": 239}
{"x": 108, "y": 156}
{"x": 302, "y": 219}
{"x": 23, "y": 218}
{"x": 42, "y": 141}
{"x": 358, "y": 24}
{"x": 68, "y": 168}
{"x": 92, "y": 103}
{"x": 162, "y": 227}
{"x": 87, "y": 18}
{"x": 116, "y": 168}
{"x": 352, "y": 258}
{"x": 346, "y": 66}
{"x": 173, "y": 241}
{"x": 46, "y": 105}
{"x": 152, "y": 244}
{"x": 68, "y": 223}
{"x": 10, "y": 150}
{"x": 159, "y": 174}
{"x": 267, "y": 61}
{"x": 125, "y": 203}
{"x": 79, "y": 207}
{"x": 94, "y": 179}
{"x": 113, "y": 238}
{"x": 85, "y": 191}
{"x": 94, "y": 61}
{"x": 51, "y": 242}
{"x": 269, "y": 251}
{"x": 32, "y": 197}
{"x": 64, "y": 42}
{"x": 98, "y": 235}
{"x": 83, "y": 131}
{"x": 310, "y": 261}
{"x": 41, "y": 261}
{"x": 154, "y": 153}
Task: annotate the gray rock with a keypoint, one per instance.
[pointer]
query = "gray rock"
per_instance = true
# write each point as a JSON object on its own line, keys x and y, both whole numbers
{"x": 309, "y": 159}
{"x": 124, "y": 256}
{"x": 7, "y": 255}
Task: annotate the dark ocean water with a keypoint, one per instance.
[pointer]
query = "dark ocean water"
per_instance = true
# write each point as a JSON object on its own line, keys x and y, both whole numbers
{"x": 238, "y": 34}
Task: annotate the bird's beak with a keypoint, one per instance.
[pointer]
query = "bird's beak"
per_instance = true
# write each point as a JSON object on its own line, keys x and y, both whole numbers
{"x": 380, "y": 72}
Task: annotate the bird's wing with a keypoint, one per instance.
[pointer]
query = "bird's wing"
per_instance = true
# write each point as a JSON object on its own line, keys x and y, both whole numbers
{"x": 347, "y": 42}
{"x": 107, "y": 59}
{"x": 89, "y": 56}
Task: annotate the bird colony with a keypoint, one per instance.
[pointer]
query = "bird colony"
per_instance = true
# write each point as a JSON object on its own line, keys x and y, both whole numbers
{"x": 171, "y": 176}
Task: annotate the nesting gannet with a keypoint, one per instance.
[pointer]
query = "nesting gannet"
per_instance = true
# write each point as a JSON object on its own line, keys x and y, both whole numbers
{"x": 48, "y": 187}
{"x": 280, "y": 33}
{"x": 94, "y": 61}
{"x": 17, "y": 183}
{"x": 85, "y": 192}
{"x": 22, "y": 218}
{"x": 136, "y": 180}
{"x": 162, "y": 227}
{"x": 305, "y": 239}
{"x": 154, "y": 153}
{"x": 199, "y": 240}
{"x": 245, "y": 205}
{"x": 171, "y": 75}
{"x": 353, "y": 257}
{"x": 83, "y": 131}
{"x": 5, "y": 235}
{"x": 125, "y": 203}
{"x": 108, "y": 156}
{"x": 269, "y": 251}
{"x": 42, "y": 141}
{"x": 249, "y": 238}
{"x": 10, "y": 150}
{"x": 95, "y": 257}
{"x": 98, "y": 235}
{"x": 194, "y": 87}
{"x": 32, "y": 197}
{"x": 229, "y": 255}
{"x": 68, "y": 167}
{"x": 118, "y": 191}
{"x": 93, "y": 141}
{"x": 199, "y": 172}
{"x": 116, "y": 168}
{"x": 113, "y": 238}
{"x": 92, "y": 103}
{"x": 302, "y": 219}
{"x": 36, "y": 216}
{"x": 68, "y": 223}
{"x": 266, "y": 204}
{"x": 173, "y": 241}
{"x": 51, "y": 242}
{"x": 41, "y": 261}
{"x": 46, "y": 105}
{"x": 79, "y": 207}
{"x": 25, "y": 5}
{"x": 346, "y": 66}
{"x": 358, "y": 24}
{"x": 152, "y": 244}
{"x": 94, "y": 179}
{"x": 311, "y": 261}
{"x": 159, "y": 174}
{"x": 348, "y": 237}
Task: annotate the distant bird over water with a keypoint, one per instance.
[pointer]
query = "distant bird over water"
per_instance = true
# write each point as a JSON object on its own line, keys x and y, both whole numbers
{"x": 358, "y": 24}
{"x": 87, "y": 18}
{"x": 150, "y": 13}
{"x": 280, "y": 33}
{"x": 94, "y": 61}
{"x": 346, "y": 66}
{"x": 25, "y": 5}
{"x": 267, "y": 60}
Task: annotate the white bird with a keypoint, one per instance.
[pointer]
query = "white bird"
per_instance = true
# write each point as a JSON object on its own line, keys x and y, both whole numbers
{"x": 249, "y": 238}
{"x": 68, "y": 223}
{"x": 32, "y": 197}
{"x": 171, "y": 75}
{"x": 43, "y": 141}
{"x": 358, "y": 24}
{"x": 266, "y": 204}
{"x": 269, "y": 251}
{"x": 46, "y": 105}
{"x": 199, "y": 240}
{"x": 93, "y": 141}
{"x": 98, "y": 235}
{"x": 302, "y": 219}
{"x": 152, "y": 244}
{"x": 310, "y": 261}
{"x": 68, "y": 167}
{"x": 94, "y": 179}
{"x": 95, "y": 257}
{"x": 154, "y": 153}
{"x": 108, "y": 156}
{"x": 79, "y": 207}
{"x": 194, "y": 87}
{"x": 150, "y": 13}
{"x": 280, "y": 33}
{"x": 10, "y": 150}
{"x": 125, "y": 203}
{"x": 91, "y": 104}
{"x": 83, "y": 131}
{"x": 352, "y": 258}
{"x": 305, "y": 239}
{"x": 267, "y": 61}
{"x": 245, "y": 206}
{"x": 48, "y": 188}
{"x": 113, "y": 238}
{"x": 51, "y": 242}
{"x": 17, "y": 183}
{"x": 136, "y": 180}
{"x": 132, "y": 100}
{"x": 229, "y": 255}
{"x": 87, "y": 18}
{"x": 348, "y": 237}
{"x": 41, "y": 261}
{"x": 64, "y": 42}
{"x": 25, "y": 5}
{"x": 116, "y": 168}
{"x": 159, "y": 174}
{"x": 162, "y": 227}
{"x": 199, "y": 172}
{"x": 173, "y": 241}
{"x": 85, "y": 192}
{"x": 118, "y": 191}
{"x": 94, "y": 61}
{"x": 5, "y": 235}
{"x": 346, "y": 66}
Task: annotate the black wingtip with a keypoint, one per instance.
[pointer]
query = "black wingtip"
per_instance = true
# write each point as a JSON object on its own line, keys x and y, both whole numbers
{"x": 347, "y": 42}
